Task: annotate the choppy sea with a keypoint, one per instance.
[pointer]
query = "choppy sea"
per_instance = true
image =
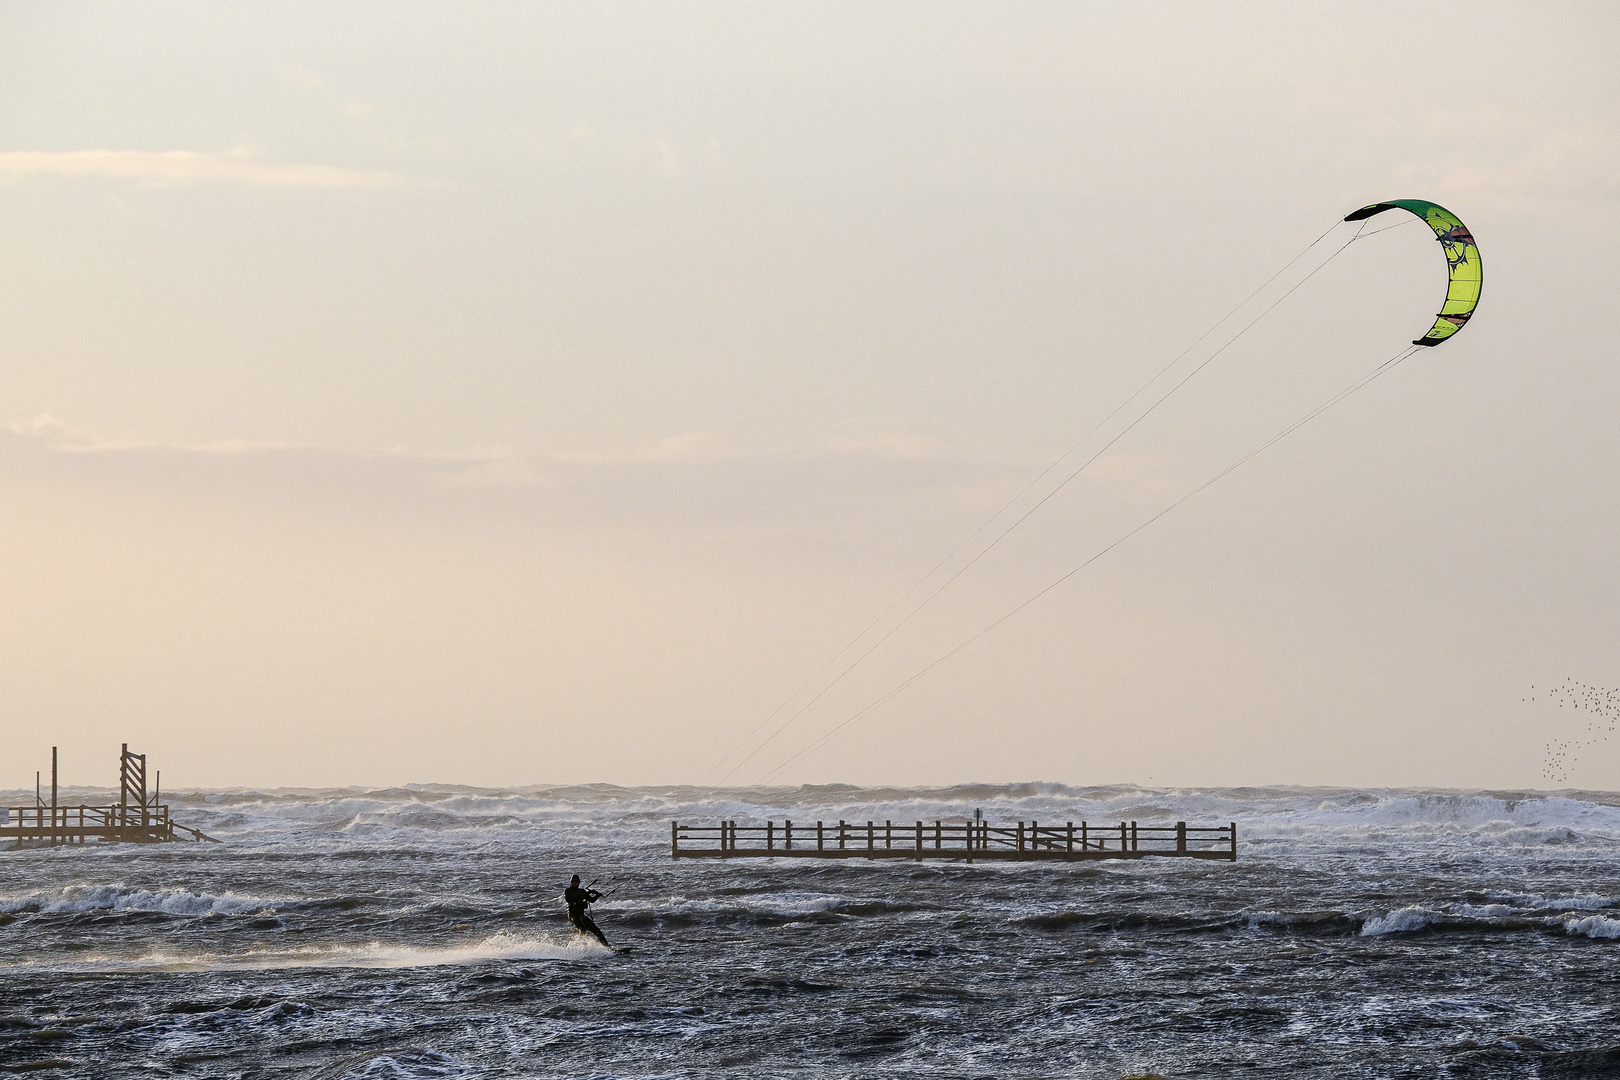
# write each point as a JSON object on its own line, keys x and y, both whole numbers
{"x": 418, "y": 932}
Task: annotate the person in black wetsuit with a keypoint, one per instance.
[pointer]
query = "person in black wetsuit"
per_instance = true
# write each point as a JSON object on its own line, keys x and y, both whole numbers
{"x": 578, "y": 900}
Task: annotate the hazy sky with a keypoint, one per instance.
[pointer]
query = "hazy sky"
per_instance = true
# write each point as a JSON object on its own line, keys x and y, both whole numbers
{"x": 513, "y": 393}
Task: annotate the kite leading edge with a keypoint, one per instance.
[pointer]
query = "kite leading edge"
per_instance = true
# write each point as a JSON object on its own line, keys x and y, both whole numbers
{"x": 1462, "y": 256}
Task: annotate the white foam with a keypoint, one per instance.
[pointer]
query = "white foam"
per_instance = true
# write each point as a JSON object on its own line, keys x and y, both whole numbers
{"x": 370, "y": 954}
{"x": 1401, "y": 921}
{"x": 1584, "y": 902}
{"x": 71, "y": 898}
{"x": 1594, "y": 926}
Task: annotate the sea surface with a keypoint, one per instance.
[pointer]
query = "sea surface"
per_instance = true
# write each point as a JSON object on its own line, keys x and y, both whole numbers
{"x": 419, "y": 932}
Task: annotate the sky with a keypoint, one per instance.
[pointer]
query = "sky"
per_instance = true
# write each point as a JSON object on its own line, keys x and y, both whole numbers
{"x": 546, "y": 393}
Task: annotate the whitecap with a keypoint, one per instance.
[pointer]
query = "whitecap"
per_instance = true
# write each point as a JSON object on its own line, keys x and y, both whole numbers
{"x": 1594, "y": 926}
{"x": 1401, "y": 921}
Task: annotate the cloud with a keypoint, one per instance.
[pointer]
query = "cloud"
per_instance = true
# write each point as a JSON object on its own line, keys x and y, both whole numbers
{"x": 1512, "y": 159}
{"x": 61, "y": 436}
{"x": 692, "y": 479}
{"x": 176, "y": 167}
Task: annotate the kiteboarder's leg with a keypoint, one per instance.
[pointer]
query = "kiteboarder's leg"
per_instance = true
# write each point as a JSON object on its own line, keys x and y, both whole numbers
{"x": 584, "y": 925}
{"x": 590, "y": 928}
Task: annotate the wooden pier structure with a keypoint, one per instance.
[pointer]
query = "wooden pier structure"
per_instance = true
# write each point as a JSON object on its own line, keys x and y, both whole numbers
{"x": 137, "y": 817}
{"x": 967, "y": 841}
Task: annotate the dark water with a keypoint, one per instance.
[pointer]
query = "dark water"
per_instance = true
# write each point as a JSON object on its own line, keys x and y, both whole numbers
{"x": 416, "y": 933}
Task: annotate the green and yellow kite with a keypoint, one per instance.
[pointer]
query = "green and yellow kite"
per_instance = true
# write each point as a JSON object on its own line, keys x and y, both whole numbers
{"x": 1462, "y": 256}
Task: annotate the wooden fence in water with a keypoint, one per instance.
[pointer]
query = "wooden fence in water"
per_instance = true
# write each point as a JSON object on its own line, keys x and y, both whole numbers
{"x": 149, "y": 824}
{"x": 138, "y": 817}
{"x": 964, "y": 840}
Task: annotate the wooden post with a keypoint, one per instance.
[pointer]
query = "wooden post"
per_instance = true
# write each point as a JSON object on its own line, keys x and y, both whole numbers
{"x": 1181, "y": 838}
{"x": 888, "y": 835}
{"x": 938, "y": 837}
{"x": 1124, "y": 843}
{"x": 770, "y": 843}
{"x": 919, "y": 841}
{"x": 840, "y": 834}
{"x": 1085, "y": 841}
{"x": 787, "y": 834}
{"x": 1020, "y": 838}
{"x": 1035, "y": 837}
{"x": 868, "y": 836}
{"x": 1233, "y": 828}
{"x": 1069, "y": 847}
{"x": 1133, "y": 836}
{"x": 674, "y": 841}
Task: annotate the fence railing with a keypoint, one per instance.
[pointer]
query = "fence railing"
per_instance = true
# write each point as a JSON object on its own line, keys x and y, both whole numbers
{"x": 967, "y": 840}
{"x": 75, "y": 824}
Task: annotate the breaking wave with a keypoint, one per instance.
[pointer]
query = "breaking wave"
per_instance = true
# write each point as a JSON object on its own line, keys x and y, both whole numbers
{"x": 88, "y": 898}
{"x": 370, "y": 954}
{"x": 552, "y": 818}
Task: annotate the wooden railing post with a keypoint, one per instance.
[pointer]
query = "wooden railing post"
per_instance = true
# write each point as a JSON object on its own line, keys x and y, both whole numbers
{"x": 819, "y": 845}
{"x": 1069, "y": 847}
{"x": 787, "y": 834}
{"x": 1020, "y": 848}
{"x": 840, "y": 834}
{"x": 770, "y": 836}
{"x": 1085, "y": 841}
{"x": 1181, "y": 838}
{"x": 1133, "y": 836}
{"x": 674, "y": 841}
{"x": 937, "y": 836}
{"x": 888, "y": 835}
{"x": 1233, "y": 828}
{"x": 869, "y": 835}
{"x": 1124, "y": 838}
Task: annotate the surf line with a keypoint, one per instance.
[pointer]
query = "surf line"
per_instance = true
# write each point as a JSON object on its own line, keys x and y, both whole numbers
{"x": 985, "y": 550}
{"x": 1371, "y": 376}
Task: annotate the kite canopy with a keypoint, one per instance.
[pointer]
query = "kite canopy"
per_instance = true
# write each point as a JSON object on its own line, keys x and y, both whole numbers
{"x": 1462, "y": 256}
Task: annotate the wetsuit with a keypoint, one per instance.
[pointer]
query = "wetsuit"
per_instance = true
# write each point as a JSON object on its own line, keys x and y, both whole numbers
{"x": 578, "y": 900}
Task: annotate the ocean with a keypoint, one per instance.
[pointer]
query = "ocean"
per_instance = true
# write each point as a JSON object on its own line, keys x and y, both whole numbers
{"x": 419, "y": 932}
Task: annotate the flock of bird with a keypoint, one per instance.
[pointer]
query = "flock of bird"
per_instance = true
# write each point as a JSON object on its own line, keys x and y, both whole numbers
{"x": 1603, "y": 705}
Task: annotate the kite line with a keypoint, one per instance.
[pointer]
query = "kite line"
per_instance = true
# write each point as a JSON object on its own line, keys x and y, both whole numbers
{"x": 1363, "y": 381}
{"x": 985, "y": 550}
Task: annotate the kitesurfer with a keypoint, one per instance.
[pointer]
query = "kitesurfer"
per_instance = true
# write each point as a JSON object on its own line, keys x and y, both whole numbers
{"x": 578, "y": 900}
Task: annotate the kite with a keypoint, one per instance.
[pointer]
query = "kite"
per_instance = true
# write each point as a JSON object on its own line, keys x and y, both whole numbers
{"x": 1462, "y": 257}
